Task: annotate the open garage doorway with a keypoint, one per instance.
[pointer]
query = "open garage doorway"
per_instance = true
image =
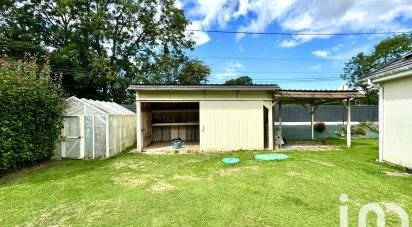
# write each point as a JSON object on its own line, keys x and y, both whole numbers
{"x": 163, "y": 122}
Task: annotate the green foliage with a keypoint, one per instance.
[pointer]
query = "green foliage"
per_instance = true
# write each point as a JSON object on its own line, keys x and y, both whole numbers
{"x": 186, "y": 71}
{"x": 193, "y": 72}
{"x": 369, "y": 125}
{"x": 360, "y": 131}
{"x": 30, "y": 113}
{"x": 362, "y": 64}
{"x": 100, "y": 47}
{"x": 319, "y": 127}
{"x": 243, "y": 80}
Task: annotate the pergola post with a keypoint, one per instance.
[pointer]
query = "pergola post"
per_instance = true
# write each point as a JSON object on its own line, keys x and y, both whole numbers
{"x": 312, "y": 119}
{"x": 280, "y": 123}
{"x": 272, "y": 122}
{"x": 311, "y": 109}
{"x": 348, "y": 123}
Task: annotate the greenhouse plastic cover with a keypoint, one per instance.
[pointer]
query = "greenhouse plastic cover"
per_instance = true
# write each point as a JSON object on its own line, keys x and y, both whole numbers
{"x": 76, "y": 106}
{"x": 106, "y": 128}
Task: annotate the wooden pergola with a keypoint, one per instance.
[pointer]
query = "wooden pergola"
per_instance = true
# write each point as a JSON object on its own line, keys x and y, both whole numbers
{"x": 311, "y": 99}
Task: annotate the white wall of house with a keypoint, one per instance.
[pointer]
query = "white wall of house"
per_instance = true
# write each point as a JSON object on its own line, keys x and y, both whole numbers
{"x": 397, "y": 121}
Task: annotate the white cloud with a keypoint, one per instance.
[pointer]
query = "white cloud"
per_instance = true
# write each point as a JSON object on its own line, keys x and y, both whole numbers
{"x": 241, "y": 49}
{"x": 198, "y": 36}
{"x": 320, "y": 53}
{"x": 230, "y": 71}
{"x": 337, "y": 47}
{"x": 178, "y": 4}
{"x": 316, "y": 67}
{"x": 234, "y": 65}
{"x": 308, "y": 16}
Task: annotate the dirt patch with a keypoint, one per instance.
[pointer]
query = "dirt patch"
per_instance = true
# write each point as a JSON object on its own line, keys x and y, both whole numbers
{"x": 162, "y": 187}
{"x": 194, "y": 160}
{"x": 323, "y": 163}
{"x": 128, "y": 180}
{"x": 62, "y": 213}
{"x": 397, "y": 174}
{"x": 296, "y": 174}
{"x": 308, "y": 146}
{"x": 185, "y": 177}
{"x": 236, "y": 170}
{"x": 131, "y": 164}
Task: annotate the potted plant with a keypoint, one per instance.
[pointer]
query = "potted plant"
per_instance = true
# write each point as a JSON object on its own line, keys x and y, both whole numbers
{"x": 325, "y": 141}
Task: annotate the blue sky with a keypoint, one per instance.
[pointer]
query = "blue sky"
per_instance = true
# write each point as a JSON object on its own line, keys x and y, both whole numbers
{"x": 318, "y": 60}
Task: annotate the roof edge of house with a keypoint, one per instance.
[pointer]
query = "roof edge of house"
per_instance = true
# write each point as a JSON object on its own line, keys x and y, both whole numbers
{"x": 391, "y": 75}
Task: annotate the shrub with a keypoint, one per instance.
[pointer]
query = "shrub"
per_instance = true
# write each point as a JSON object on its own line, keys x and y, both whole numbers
{"x": 30, "y": 113}
{"x": 352, "y": 129}
{"x": 370, "y": 125}
{"x": 320, "y": 127}
{"x": 360, "y": 131}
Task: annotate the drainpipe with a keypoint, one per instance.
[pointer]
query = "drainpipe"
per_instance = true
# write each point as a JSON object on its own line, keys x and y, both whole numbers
{"x": 381, "y": 118}
{"x": 381, "y": 122}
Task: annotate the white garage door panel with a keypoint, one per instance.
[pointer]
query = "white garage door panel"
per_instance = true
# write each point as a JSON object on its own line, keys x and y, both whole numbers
{"x": 231, "y": 125}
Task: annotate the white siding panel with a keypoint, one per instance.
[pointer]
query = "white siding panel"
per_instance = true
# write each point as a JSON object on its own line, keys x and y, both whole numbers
{"x": 231, "y": 125}
{"x": 397, "y": 108}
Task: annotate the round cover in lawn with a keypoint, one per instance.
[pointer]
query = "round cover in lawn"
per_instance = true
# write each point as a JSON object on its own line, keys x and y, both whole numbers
{"x": 272, "y": 156}
{"x": 230, "y": 160}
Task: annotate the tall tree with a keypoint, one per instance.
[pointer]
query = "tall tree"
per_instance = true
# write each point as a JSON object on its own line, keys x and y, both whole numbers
{"x": 193, "y": 71}
{"x": 99, "y": 46}
{"x": 383, "y": 53}
{"x": 242, "y": 80}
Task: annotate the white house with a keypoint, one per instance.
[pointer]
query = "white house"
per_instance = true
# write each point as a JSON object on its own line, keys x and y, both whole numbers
{"x": 395, "y": 111}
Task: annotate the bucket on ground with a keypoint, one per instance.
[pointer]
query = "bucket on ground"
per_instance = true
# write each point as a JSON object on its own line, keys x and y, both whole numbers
{"x": 177, "y": 143}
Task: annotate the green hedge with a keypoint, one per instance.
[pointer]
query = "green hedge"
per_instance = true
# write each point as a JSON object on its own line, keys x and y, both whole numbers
{"x": 31, "y": 106}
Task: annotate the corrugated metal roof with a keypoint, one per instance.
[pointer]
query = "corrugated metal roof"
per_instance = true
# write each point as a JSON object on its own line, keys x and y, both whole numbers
{"x": 401, "y": 64}
{"x": 317, "y": 90}
{"x": 210, "y": 87}
{"x": 317, "y": 94}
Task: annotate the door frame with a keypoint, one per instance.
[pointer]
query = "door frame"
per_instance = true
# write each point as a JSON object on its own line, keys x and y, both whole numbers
{"x": 81, "y": 136}
{"x": 266, "y": 127}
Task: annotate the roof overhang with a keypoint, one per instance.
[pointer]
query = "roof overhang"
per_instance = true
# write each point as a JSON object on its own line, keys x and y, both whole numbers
{"x": 206, "y": 87}
{"x": 316, "y": 96}
{"x": 390, "y": 75}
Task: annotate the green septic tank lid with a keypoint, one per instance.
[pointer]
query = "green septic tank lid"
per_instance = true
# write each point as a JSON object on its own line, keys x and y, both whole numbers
{"x": 231, "y": 160}
{"x": 271, "y": 156}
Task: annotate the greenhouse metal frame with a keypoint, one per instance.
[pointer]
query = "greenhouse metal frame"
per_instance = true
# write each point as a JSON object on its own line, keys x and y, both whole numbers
{"x": 95, "y": 129}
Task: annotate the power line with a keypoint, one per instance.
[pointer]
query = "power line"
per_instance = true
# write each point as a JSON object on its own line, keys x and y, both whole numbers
{"x": 214, "y": 77}
{"x": 215, "y": 57}
{"x": 281, "y": 72}
{"x": 299, "y": 33}
{"x": 287, "y": 79}
{"x": 272, "y": 59}
{"x": 67, "y": 70}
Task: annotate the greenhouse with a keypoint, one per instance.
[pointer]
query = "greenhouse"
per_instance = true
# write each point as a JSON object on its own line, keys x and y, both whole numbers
{"x": 95, "y": 129}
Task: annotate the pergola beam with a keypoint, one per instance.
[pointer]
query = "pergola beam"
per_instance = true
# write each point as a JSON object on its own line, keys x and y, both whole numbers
{"x": 347, "y": 106}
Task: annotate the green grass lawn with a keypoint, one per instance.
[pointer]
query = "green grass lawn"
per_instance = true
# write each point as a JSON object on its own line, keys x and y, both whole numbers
{"x": 199, "y": 190}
